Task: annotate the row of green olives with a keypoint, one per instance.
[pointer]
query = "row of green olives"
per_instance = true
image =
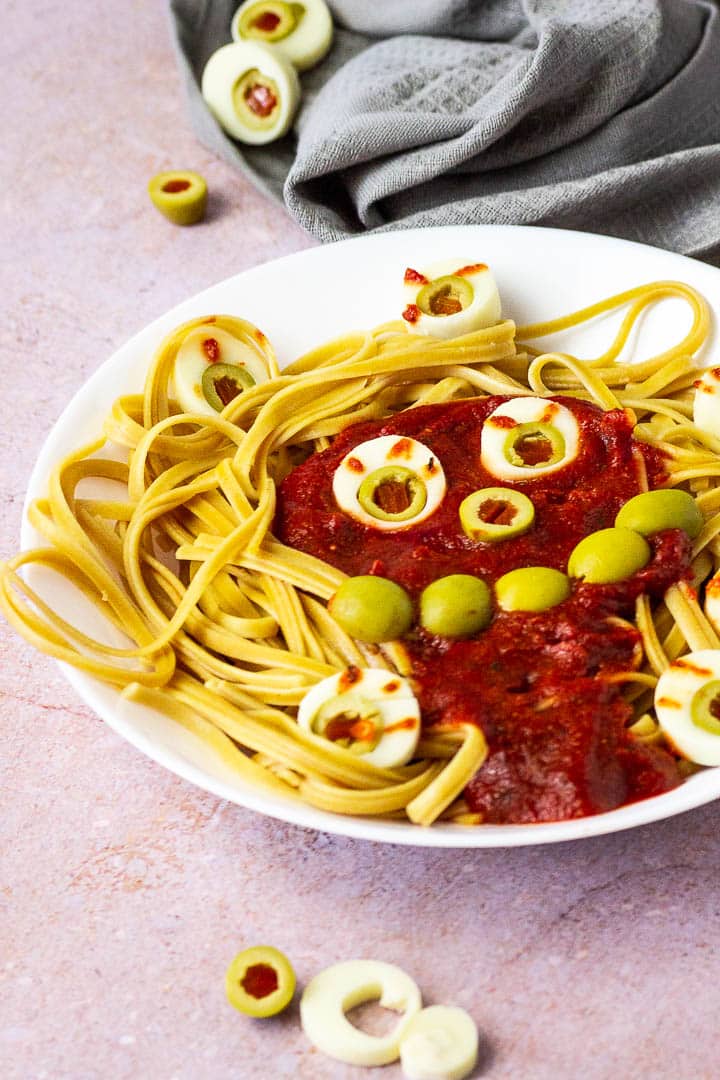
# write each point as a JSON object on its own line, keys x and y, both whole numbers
{"x": 375, "y": 609}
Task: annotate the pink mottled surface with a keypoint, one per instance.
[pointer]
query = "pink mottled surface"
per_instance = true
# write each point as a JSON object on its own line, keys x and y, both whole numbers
{"x": 125, "y": 891}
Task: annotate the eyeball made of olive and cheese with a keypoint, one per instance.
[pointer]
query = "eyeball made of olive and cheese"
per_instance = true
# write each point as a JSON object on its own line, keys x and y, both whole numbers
{"x": 450, "y": 298}
{"x": 252, "y": 90}
{"x": 389, "y": 483}
{"x": 371, "y": 712}
{"x": 687, "y": 705}
{"x": 706, "y": 405}
{"x": 527, "y": 437}
{"x": 214, "y": 364}
{"x": 302, "y": 32}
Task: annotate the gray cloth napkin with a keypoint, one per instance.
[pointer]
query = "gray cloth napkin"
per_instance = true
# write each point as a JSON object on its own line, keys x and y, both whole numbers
{"x": 601, "y": 115}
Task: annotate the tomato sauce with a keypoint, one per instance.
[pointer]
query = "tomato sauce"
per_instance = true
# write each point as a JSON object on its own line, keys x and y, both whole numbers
{"x": 536, "y": 683}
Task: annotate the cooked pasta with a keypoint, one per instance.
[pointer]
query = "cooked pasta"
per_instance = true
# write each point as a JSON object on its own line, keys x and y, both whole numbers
{"x": 229, "y": 628}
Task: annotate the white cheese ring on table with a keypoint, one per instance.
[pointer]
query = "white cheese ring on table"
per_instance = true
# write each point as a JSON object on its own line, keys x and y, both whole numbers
{"x": 302, "y": 32}
{"x": 441, "y": 1043}
{"x": 706, "y": 403}
{"x": 687, "y": 705}
{"x": 338, "y": 989}
{"x": 413, "y": 464}
{"x": 450, "y": 298}
{"x": 252, "y": 91}
{"x": 545, "y": 427}
{"x": 209, "y": 344}
{"x": 371, "y": 711}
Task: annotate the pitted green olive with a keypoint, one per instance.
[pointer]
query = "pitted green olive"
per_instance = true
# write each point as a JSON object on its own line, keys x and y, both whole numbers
{"x": 532, "y": 588}
{"x": 349, "y": 720}
{"x": 223, "y": 382}
{"x": 704, "y": 709}
{"x": 268, "y": 20}
{"x": 180, "y": 196}
{"x": 260, "y": 981}
{"x": 445, "y": 295}
{"x": 666, "y": 508}
{"x": 392, "y": 493}
{"x": 456, "y": 606}
{"x": 497, "y": 513}
{"x": 372, "y": 609}
{"x": 609, "y": 555}
{"x": 534, "y": 444}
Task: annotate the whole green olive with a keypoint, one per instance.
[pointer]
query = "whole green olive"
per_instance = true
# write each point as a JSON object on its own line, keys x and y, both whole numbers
{"x": 665, "y": 508}
{"x": 371, "y": 608}
{"x": 532, "y": 588}
{"x": 456, "y": 606}
{"x": 609, "y": 555}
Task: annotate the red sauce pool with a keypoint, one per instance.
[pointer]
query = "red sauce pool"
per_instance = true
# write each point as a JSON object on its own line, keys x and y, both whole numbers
{"x": 556, "y": 729}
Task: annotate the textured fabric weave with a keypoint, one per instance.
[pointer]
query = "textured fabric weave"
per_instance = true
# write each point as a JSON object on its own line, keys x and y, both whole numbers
{"x": 601, "y": 115}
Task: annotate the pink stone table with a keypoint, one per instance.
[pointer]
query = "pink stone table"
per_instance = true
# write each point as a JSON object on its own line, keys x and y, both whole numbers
{"x": 124, "y": 890}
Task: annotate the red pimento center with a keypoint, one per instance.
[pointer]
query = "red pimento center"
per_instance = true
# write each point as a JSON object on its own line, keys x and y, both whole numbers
{"x": 534, "y": 449}
{"x": 266, "y": 22}
{"x": 260, "y": 100}
{"x": 172, "y": 187}
{"x": 260, "y": 980}
{"x": 497, "y": 512}
{"x": 350, "y": 726}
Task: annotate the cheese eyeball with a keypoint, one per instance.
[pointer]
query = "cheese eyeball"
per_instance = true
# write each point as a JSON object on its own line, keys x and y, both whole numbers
{"x": 389, "y": 483}
{"x": 527, "y": 437}
{"x": 687, "y": 705}
{"x": 252, "y": 90}
{"x": 338, "y": 989}
{"x": 450, "y": 298}
{"x": 706, "y": 406}
{"x": 371, "y": 712}
{"x": 302, "y": 32}
{"x": 208, "y": 349}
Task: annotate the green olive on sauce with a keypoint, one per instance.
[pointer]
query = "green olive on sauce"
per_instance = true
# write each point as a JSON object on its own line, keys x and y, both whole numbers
{"x": 260, "y": 981}
{"x": 372, "y": 609}
{"x": 665, "y": 508}
{"x": 498, "y": 513}
{"x": 223, "y": 382}
{"x": 609, "y": 555}
{"x": 532, "y": 588}
{"x": 180, "y": 196}
{"x": 456, "y": 606}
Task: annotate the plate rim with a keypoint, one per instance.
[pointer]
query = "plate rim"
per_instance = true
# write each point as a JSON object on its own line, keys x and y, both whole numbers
{"x": 441, "y": 835}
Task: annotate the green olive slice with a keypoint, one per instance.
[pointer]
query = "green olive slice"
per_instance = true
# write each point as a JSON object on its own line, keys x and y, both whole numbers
{"x": 445, "y": 295}
{"x": 497, "y": 513}
{"x": 665, "y": 508}
{"x": 705, "y": 707}
{"x": 269, "y": 20}
{"x": 456, "y": 606}
{"x": 532, "y": 588}
{"x": 609, "y": 555}
{"x": 534, "y": 444}
{"x": 260, "y": 981}
{"x": 392, "y": 493}
{"x": 349, "y": 720}
{"x": 372, "y": 609}
{"x": 221, "y": 383}
{"x": 180, "y": 196}
{"x": 256, "y": 98}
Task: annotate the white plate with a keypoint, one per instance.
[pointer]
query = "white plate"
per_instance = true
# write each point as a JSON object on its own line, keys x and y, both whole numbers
{"x": 304, "y": 299}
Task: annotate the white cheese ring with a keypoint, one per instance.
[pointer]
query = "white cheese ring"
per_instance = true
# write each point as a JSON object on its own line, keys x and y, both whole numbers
{"x": 482, "y": 310}
{"x": 307, "y": 42}
{"x": 339, "y": 988}
{"x": 441, "y": 1043}
{"x": 224, "y": 72}
{"x": 683, "y": 695}
{"x": 504, "y": 424}
{"x": 388, "y": 698}
{"x": 207, "y": 344}
{"x": 388, "y": 451}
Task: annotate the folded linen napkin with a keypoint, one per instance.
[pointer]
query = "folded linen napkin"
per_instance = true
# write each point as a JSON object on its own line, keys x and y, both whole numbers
{"x": 601, "y": 115}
